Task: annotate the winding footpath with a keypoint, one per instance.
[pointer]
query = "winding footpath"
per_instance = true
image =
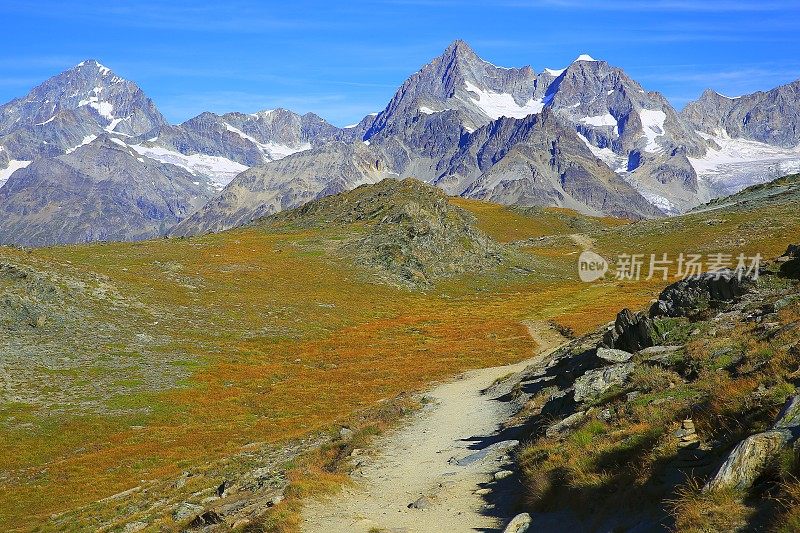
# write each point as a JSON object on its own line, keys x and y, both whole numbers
{"x": 439, "y": 461}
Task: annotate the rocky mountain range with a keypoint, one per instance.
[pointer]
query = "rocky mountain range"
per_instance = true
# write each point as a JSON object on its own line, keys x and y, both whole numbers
{"x": 586, "y": 137}
{"x": 100, "y": 191}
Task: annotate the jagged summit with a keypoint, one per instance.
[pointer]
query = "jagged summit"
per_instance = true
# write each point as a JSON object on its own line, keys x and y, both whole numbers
{"x": 460, "y": 48}
{"x": 770, "y": 117}
{"x": 585, "y": 57}
{"x": 92, "y": 63}
{"x": 86, "y": 100}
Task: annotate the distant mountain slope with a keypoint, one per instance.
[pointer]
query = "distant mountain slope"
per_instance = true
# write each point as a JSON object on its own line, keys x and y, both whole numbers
{"x": 103, "y": 164}
{"x": 771, "y": 117}
{"x": 530, "y": 161}
{"x": 751, "y": 139}
{"x": 245, "y": 140}
{"x": 781, "y": 188}
{"x": 285, "y": 184}
{"x": 101, "y": 191}
{"x": 539, "y": 161}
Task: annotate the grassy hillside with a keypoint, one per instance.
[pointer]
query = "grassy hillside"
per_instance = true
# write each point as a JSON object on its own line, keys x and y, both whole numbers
{"x": 128, "y": 364}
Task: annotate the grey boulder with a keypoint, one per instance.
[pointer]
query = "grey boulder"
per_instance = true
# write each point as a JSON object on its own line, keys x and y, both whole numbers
{"x": 595, "y": 382}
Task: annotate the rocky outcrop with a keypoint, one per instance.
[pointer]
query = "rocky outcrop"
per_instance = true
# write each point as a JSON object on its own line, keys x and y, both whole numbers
{"x": 749, "y": 458}
{"x": 790, "y": 262}
{"x": 692, "y": 295}
{"x": 631, "y": 332}
{"x": 414, "y": 235}
{"x": 595, "y": 382}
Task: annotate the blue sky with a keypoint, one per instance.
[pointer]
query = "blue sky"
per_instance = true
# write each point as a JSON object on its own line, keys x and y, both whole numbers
{"x": 343, "y": 60}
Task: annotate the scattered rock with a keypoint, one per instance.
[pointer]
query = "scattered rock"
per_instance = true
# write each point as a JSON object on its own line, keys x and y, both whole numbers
{"x": 606, "y": 415}
{"x": 133, "y": 527}
{"x": 181, "y": 481}
{"x": 186, "y": 510}
{"x": 751, "y": 456}
{"x": 481, "y": 454}
{"x": 207, "y": 518}
{"x": 595, "y": 382}
{"x": 420, "y": 503}
{"x": 785, "y": 302}
{"x": 567, "y": 425}
{"x": 790, "y": 267}
{"x": 345, "y": 433}
{"x": 502, "y": 474}
{"x": 661, "y": 355}
{"x": 519, "y": 524}
{"x": 262, "y": 473}
{"x": 483, "y": 492}
{"x": 691, "y": 295}
{"x": 241, "y": 524}
{"x": 613, "y": 355}
{"x": 687, "y": 436}
{"x": 631, "y": 332}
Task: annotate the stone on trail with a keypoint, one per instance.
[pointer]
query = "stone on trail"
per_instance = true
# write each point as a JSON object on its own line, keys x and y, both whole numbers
{"x": 519, "y": 524}
{"x": 421, "y": 503}
{"x": 502, "y": 474}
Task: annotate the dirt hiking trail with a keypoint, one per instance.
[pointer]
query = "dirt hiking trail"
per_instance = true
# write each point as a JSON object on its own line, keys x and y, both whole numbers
{"x": 423, "y": 477}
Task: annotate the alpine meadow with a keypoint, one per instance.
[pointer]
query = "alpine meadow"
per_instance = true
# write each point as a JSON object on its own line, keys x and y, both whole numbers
{"x": 510, "y": 299}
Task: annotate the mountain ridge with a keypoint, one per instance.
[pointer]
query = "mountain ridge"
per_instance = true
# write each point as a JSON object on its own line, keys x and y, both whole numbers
{"x": 644, "y": 158}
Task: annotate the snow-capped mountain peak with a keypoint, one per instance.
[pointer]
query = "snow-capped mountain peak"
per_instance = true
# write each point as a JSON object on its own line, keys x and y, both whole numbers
{"x": 94, "y": 64}
{"x": 89, "y": 99}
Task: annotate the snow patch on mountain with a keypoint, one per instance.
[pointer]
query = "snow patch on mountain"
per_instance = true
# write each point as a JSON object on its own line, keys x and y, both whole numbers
{"x": 426, "y": 110}
{"x": 653, "y": 126}
{"x": 12, "y": 167}
{"x": 277, "y": 151}
{"x": 615, "y": 162}
{"x": 51, "y": 119}
{"x": 555, "y": 72}
{"x": 585, "y": 57}
{"x": 660, "y": 202}
{"x": 104, "y": 109}
{"x": 220, "y": 169}
{"x": 739, "y": 163}
{"x": 86, "y": 140}
{"x": 600, "y": 120}
{"x": 496, "y": 105}
{"x": 273, "y": 151}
